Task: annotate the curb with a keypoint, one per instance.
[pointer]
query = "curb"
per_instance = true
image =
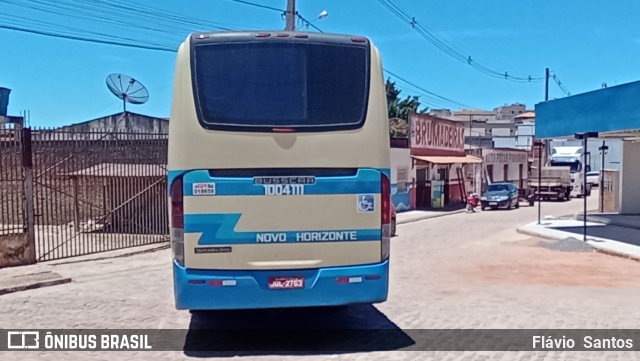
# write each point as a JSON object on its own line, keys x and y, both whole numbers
{"x": 521, "y": 230}
{"x": 34, "y": 285}
{"x": 596, "y": 247}
{"x": 609, "y": 252}
{"x": 424, "y": 218}
{"x": 596, "y": 219}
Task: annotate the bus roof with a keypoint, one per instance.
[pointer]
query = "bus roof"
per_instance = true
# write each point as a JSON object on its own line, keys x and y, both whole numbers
{"x": 223, "y": 36}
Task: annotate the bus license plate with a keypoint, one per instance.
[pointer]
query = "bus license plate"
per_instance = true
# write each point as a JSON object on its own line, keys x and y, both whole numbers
{"x": 284, "y": 283}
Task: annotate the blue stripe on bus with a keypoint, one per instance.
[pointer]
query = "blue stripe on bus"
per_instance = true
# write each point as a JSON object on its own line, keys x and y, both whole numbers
{"x": 365, "y": 181}
{"x": 220, "y": 229}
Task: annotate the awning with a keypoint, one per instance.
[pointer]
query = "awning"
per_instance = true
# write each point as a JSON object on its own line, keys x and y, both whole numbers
{"x": 466, "y": 159}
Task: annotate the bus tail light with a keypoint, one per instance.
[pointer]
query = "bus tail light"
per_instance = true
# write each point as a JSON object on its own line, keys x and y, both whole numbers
{"x": 177, "y": 221}
{"x": 349, "y": 280}
{"x": 385, "y": 195}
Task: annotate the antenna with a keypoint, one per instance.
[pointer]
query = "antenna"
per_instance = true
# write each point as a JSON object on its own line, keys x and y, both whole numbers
{"x": 128, "y": 89}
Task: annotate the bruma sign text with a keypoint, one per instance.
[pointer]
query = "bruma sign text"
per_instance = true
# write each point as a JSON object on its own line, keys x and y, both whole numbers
{"x": 434, "y": 133}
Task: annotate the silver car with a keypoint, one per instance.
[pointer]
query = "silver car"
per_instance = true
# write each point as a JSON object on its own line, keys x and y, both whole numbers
{"x": 593, "y": 178}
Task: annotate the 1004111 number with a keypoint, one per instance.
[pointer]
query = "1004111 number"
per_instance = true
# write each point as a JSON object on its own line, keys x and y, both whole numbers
{"x": 283, "y": 189}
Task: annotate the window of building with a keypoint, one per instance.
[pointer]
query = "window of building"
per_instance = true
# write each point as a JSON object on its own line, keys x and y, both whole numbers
{"x": 521, "y": 175}
{"x": 402, "y": 175}
{"x": 490, "y": 172}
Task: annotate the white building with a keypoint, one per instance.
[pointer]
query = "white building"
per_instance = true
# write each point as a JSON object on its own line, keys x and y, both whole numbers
{"x": 492, "y": 128}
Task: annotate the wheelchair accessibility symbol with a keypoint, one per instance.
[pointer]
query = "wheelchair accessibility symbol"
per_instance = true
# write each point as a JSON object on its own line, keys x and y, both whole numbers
{"x": 366, "y": 203}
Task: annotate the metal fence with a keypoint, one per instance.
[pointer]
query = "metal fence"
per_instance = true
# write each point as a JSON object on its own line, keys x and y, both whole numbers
{"x": 89, "y": 191}
{"x": 11, "y": 183}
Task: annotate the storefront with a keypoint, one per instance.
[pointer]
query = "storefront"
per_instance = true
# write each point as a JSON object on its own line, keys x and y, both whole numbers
{"x": 439, "y": 161}
{"x": 505, "y": 165}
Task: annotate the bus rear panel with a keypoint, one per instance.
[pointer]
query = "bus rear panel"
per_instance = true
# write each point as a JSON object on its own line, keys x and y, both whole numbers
{"x": 278, "y": 173}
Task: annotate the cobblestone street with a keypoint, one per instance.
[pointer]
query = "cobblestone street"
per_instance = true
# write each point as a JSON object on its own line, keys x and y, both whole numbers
{"x": 457, "y": 271}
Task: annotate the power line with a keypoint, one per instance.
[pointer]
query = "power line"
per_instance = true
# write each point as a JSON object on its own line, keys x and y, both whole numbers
{"x": 259, "y": 5}
{"x": 133, "y": 20}
{"x": 450, "y": 49}
{"x": 99, "y": 38}
{"x": 425, "y": 90}
{"x": 560, "y": 85}
{"x": 308, "y": 23}
{"x": 282, "y": 11}
{"x": 80, "y": 38}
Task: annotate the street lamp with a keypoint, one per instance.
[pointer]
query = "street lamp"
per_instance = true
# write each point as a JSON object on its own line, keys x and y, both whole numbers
{"x": 539, "y": 144}
{"x": 585, "y": 137}
{"x": 322, "y": 15}
{"x": 603, "y": 149}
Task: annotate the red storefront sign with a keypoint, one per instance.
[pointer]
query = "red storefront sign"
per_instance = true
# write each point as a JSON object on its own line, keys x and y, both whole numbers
{"x": 430, "y": 133}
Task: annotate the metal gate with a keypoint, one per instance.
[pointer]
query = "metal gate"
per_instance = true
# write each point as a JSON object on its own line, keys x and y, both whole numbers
{"x": 92, "y": 191}
{"x": 16, "y": 221}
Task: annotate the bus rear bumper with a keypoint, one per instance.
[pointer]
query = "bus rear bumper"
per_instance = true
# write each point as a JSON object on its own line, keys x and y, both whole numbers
{"x": 194, "y": 289}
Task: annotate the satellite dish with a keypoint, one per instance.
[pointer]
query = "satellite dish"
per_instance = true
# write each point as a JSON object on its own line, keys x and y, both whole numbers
{"x": 127, "y": 89}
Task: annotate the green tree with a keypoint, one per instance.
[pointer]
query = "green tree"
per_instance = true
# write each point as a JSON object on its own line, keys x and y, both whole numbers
{"x": 400, "y": 108}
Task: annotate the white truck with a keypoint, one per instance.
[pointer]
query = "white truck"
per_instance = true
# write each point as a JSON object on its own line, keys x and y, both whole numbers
{"x": 572, "y": 157}
{"x": 554, "y": 183}
{"x": 562, "y": 177}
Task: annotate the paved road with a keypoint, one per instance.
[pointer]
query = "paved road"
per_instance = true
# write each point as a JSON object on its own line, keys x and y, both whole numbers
{"x": 459, "y": 271}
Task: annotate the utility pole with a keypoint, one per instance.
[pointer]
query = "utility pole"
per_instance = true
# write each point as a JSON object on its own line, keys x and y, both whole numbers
{"x": 603, "y": 149}
{"x": 475, "y": 170}
{"x": 539, "y": 143}
{"x": 584, "y": 188}
{"x": 546, "y": 85}
{"x": 291, "y": 15}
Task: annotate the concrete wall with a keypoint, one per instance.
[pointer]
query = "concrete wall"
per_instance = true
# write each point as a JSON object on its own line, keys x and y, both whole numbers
{"x": 509, "y": 142}
{"x": 401, "y": 188}
{"x": 502, "y": 132}
{"x": 14, "y": 250}
{"x": 134, "y": 125}
{"x": 611, "y": 191}
{"x": 526, "y": 129}
{"x": 630, "y": 179}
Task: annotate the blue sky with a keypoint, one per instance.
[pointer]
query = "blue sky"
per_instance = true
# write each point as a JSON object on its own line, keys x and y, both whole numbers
{"x": 585, "y": 43}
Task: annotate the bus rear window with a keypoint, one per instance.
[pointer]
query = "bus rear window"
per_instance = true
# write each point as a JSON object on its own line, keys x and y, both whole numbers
{"x": 260, "y": 86}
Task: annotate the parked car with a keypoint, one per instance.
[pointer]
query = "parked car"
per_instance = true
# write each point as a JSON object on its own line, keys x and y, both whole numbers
{"x": 593, "y": 178}
{"x": 500, "y": 195}
{"x": 393, "y": 220}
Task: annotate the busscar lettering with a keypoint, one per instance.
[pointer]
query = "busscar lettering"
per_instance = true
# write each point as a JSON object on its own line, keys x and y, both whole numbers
{"x": 284, "y": 180}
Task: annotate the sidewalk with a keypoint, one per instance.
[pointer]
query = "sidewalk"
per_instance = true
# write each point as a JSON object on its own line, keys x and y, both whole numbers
{"x": 57, "y": 272}
{"x": 605, "y": 238}
{"x": 420, "y": 215}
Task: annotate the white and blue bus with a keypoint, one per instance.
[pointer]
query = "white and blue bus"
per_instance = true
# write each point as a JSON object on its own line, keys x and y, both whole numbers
{"x": 278, "y": 171}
